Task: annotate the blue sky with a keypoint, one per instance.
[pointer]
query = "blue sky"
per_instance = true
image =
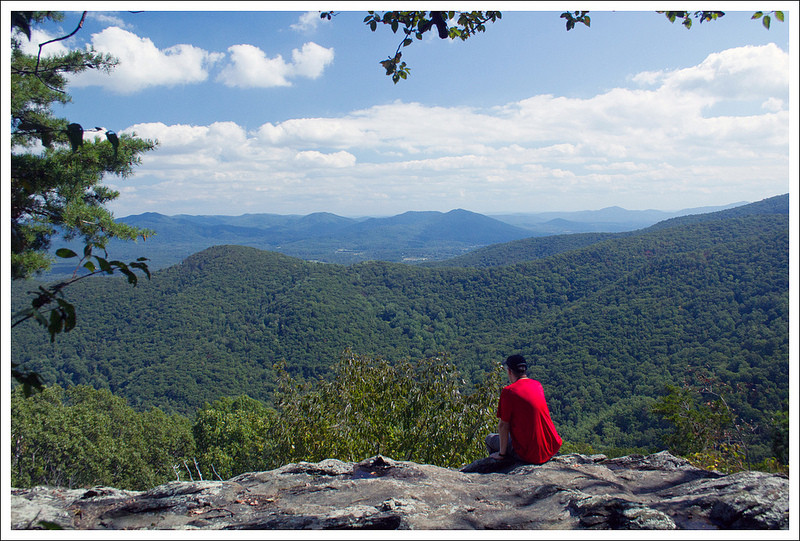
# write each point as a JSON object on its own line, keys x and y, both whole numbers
{"x": 282, "y": 112}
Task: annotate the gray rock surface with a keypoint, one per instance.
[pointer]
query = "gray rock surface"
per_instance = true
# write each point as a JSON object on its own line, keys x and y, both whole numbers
{"x": 659, "y": 492}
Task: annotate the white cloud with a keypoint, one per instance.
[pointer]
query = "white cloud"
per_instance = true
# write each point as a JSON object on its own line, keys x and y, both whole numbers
{"x": 38, "y": 36}
{"x": 318, "y": 159}
{"x": 108, "y": 19}
{"x": 740, "y": 73}
{"x": 308, "y": 22}
{"x": 322, "y": 132}
{"x": 142, "y": 64}
{"x": 311, "y": 60}
{"x": 249, "y": 66}
{"x": 773, "y": 104}
{"x": 661, "y": 142}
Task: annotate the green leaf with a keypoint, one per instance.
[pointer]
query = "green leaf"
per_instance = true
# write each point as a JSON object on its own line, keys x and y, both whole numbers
{"x": 89, "y": 266}
{"x": 587, "y": 21}
{"x": 67, "y": 314}
{"x": 104, "y": 265}
{"x": 31, "y": 381}
{"x": 123, "y": 268}
{"x": 142, "y": 267}
{"x": 757, "y": 15}
{"x": 779, "y": 15}
{"x": 54, "y": 327}
{"x": 765, "y": 21}
{"x": 65, "y": 253}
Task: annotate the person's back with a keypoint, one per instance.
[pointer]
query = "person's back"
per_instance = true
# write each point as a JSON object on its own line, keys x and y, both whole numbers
{"x": 523, "y": 406}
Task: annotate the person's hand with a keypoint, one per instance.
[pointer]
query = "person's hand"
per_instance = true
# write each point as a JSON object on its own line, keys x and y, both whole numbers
{"x": 498, "y": 456}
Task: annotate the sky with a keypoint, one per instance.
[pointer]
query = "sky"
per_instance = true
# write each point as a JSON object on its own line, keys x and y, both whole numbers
{"x": 283, "y": 112}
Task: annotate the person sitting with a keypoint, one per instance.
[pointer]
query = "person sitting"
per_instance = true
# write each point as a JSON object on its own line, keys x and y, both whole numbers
{"x": 525, "y": 431}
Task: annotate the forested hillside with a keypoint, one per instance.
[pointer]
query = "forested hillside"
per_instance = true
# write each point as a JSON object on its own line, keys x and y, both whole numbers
{"x": 606, "y": 326}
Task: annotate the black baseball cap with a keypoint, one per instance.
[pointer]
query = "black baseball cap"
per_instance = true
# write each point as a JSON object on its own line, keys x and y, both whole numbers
{"x": 516, "y": 363}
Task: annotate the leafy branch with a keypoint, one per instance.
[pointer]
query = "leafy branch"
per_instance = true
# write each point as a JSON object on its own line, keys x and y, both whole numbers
{"x": 576, "y": 17}
{"x": 464, "y": 24}
{"x": 686, "y": 16}
{"x": 414, "y": 24}
{"x": 62, "y": 315}
{"x": 766, "y": 19}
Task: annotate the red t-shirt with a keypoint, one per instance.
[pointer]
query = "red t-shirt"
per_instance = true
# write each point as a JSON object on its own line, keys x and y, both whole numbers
{"x": 533, "y": 436}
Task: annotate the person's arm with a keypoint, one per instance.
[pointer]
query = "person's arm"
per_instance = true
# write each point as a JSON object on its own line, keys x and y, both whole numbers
{"x": 503, "y": 428}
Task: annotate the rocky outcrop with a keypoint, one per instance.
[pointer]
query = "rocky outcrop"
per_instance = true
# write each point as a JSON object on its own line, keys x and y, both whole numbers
{"x": 573, "y": 491}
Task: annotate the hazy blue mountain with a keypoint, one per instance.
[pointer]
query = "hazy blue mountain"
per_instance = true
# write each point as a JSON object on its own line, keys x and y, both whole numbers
{"x": 414, "y": 236}
{"x": 606, "y": 220}
{"x": 321, "y": 236}
{"x": 537, "y": 247}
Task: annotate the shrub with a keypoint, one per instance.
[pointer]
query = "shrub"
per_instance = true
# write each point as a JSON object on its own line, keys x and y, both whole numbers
{"x": 418, "y": 411}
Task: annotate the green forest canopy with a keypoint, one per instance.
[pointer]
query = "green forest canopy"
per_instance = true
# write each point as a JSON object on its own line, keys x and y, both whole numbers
{"x": 607, "y": 326}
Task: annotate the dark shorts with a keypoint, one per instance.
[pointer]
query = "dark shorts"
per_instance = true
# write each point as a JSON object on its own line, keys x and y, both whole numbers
{"x": 493, "y": 446}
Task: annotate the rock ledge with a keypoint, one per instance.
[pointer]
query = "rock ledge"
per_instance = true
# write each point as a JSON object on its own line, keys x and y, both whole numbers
{"x": 572, "y": 491}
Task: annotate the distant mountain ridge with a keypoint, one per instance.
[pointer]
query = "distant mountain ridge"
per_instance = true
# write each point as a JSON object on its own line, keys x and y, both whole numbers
{"x": 532, "y": 248}
{"x": 606, "y": 220}
{"x": 418, "y": 237}
{"x": 321, "y": 236}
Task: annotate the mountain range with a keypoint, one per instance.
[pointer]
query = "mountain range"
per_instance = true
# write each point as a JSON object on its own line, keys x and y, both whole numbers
{"x": 411, "y": 237}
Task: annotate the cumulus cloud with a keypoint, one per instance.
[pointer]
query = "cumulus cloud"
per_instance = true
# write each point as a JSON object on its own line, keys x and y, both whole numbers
{"x": 658, "y": 140}
{"x": 250, "y": 67}
{"x": 31, "y": 46}
{"x": 311, "y": 60}
{"x": 740, "y": 73}
{"x": 142, "y": 64}
{"x": 308, "y": 22}
{"x": 318, "y": 159}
